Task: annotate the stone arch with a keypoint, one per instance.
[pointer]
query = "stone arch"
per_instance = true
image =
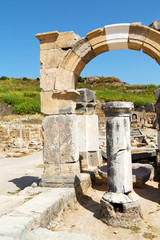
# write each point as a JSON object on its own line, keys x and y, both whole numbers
{"x": 64, "y": 55}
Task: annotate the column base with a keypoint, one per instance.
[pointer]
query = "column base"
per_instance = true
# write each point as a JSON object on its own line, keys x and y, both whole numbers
{"x": 120, "y": 210}
{"x": 59, "y": 181}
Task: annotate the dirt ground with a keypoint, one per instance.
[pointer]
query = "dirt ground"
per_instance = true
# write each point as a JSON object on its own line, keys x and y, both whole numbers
{"x": 84, "y": 217}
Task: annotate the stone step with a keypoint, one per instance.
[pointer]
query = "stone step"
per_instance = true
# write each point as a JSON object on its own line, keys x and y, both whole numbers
{"x": 42, "y": 233}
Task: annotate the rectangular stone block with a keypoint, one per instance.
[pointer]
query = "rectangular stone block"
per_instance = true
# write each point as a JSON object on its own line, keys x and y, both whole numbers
{"x": 66, "y": 40}
{"x": 52, "y": 58}
{"x": 60, "y": 139}
{"x": 65, "y": 79}
{"x": 47, "y": 40}
{"x": 97, "y": 39}
{"x": 86, "y": 95}
{"x": 58, "y": 102}
{"x": 92, "y": 133}
{"x": 82, "y": 132}
{"x": 117, "y": 36}
{"x": 48, "y": 79}
{"x": 137, "y": 36}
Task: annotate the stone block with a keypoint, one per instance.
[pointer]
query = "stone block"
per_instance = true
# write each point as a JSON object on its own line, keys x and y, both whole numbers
{"x": 83, "y": 49}
{"x": 52, "y": 58}
{"x": 155, "y": 25}
{"x": 97, "y": 39}
{"x": 120, "y": 214}
{"x": 92, "y": 133}
{"x": 58, "y": 102}
{"x": 82, "y": 132}
{"x": 47, "y": 40}
{"x": 81, "y": 108}
{"x": 151, "y": 44}
{"x": 73, "y": 63}
{"x": 117, "y": 36}
{"x": 94, "y": 159}
{"x": 86, "y": 95}
{"x": 60, "y": 139}
{"x": 15, "y": 227}
{"x": 47, "y": 79}
{"x": 137, "y": 35}
{"x": 65, "y": 79}
{"x": 66, "y": 40}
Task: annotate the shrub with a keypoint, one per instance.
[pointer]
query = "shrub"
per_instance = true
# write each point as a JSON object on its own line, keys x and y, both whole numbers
{"x": 30, "y": 107}
{"x": 4, "y": 78}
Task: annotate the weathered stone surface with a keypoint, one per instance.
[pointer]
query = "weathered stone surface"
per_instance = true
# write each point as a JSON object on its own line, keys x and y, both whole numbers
{"x": 42, "y": 234}
{"x": 137, "y": 35}
{"x": 94, "y": 158}
{"x": 65, "y": 79}
{"x": 15, "y": 227}
{"x": 155, "y": 25}
{"x": 86, "y": 95}
{"x": 97, "y": 39}
{"x": 120, "y": 215}
{"x": 58, "y": 102}
{"x": 73, "y": 63}
{"x": 140, "y": 174}
{"x": 60, "y": 139}
{"x": 117, "y": 36}
{"x": 151, "y": 45}
{"x": 88, "y": 140}
{"x": 48, "y": 79}
{"x": 52, "y": 58}
{"x": 47, "y": 40}
{"x": 66, "y": 40}
{"x": 83, "y": 49}
{"x": 118, "y": 146}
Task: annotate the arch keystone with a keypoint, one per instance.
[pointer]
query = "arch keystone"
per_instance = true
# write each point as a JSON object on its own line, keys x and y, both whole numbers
{"x": 117, "y": 36}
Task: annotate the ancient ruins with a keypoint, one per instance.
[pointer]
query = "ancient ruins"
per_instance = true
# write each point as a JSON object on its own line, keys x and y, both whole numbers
{"x": 66, "y": 136}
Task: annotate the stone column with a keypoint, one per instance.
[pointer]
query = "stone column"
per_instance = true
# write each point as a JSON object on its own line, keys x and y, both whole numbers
{"x": 119, "y": 205}
{"x": 88, "y": 134}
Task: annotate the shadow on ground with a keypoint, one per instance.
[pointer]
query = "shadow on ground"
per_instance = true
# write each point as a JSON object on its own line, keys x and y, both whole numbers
{"x": 25, "y": 181}
{"x": 149, "y": 192}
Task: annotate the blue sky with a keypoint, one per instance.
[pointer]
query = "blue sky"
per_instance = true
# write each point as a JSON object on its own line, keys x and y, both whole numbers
{"x": 22, "y": 19}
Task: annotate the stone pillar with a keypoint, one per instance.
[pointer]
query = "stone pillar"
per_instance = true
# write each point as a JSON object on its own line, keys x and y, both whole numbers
{"x": 88, "y": 134}
{"x": 58, "y": 103}
{"x": 119, "y": 205}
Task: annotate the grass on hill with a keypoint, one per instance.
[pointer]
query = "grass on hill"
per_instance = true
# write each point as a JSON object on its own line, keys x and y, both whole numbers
{"x": 24, "y": 94}
{"x": 140, "y": 95}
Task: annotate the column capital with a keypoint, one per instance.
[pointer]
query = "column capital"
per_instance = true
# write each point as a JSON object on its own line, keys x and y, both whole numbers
{"x": 117, "y": 108}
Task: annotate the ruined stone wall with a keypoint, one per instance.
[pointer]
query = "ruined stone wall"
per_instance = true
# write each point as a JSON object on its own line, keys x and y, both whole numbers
{"x": 19, "y": 138}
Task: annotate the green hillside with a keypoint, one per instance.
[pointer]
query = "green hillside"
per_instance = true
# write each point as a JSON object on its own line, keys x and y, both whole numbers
{"x": 112, "y": 89}
{"x": 23, "y": 95}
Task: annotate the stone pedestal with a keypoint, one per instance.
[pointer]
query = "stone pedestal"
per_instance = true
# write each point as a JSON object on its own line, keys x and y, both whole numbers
{"x": 88, "y": 135}
{"x": 60, "y": 151}
{"x": 119, "y": 205}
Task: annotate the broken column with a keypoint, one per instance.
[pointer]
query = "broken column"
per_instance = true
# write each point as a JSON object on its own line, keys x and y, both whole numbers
{"x": 88, "y": 134}
{"x": 119, "y": 205}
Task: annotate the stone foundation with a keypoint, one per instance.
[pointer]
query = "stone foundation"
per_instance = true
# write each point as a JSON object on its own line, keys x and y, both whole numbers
{"x": 118, "y": 213}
